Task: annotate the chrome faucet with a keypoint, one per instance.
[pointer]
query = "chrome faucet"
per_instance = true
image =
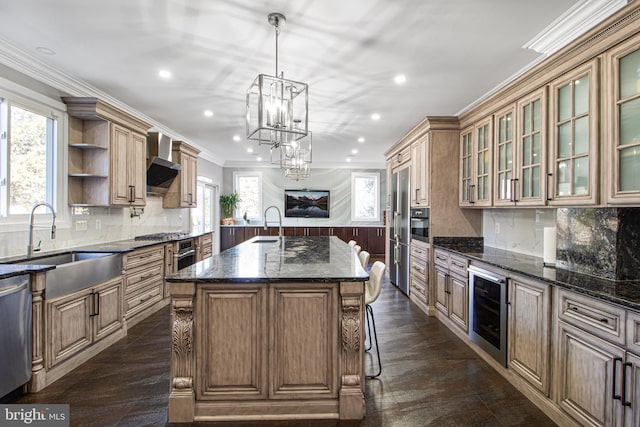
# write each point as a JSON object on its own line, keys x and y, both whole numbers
{"x": 30, "y": 248}
{"x": 279, "y": 219}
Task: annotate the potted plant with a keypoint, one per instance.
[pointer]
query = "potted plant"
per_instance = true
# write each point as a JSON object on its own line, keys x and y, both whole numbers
{"x": 229, "y": 203}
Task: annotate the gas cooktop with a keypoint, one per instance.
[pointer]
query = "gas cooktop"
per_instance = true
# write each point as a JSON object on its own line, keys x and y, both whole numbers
{"x": 164, "y": 237}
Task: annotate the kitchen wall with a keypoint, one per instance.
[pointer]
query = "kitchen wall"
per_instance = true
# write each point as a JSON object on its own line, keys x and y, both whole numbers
{"x": 517, "y": 230}
{"x": 338, "y": 181}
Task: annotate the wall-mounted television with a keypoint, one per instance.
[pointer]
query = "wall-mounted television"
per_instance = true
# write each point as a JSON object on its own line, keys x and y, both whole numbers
{"x": 306, "y": 203}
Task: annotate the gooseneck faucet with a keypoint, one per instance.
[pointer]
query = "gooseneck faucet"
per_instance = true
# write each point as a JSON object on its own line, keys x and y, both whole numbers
{"x": 279, "y": 219}
{"x": 30, "y": 248}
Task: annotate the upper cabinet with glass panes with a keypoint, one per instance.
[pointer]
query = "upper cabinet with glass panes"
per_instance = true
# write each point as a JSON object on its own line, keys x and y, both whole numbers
{"x": 624, "y": 116}
{"x": 475, "y": 178}
{"x": 574, "y": 137}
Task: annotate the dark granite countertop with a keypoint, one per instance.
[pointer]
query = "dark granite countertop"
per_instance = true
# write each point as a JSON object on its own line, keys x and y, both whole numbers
{"x": 625, "y": 293}
{"x": 278, "y": 259}
{"x": 10, "y": 266}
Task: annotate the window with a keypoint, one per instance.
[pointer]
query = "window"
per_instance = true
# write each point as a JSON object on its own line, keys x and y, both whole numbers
{"x": 203, "y": 216}
{"x": 248, "y": 185}
{"x": 365, "y": 196}
{"x": 27, "y": 156}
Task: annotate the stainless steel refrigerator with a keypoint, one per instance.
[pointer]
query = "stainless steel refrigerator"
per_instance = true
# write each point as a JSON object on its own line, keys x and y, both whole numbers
{"x": 399, "y": 244}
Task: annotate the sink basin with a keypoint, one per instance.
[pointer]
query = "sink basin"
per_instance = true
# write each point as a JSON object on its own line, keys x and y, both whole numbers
{"x": 77, "y": 270}
{"x": 266, "y": 241}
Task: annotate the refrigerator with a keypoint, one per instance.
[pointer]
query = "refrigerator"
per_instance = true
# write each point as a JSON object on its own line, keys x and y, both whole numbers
{"x": 400, "y": 230}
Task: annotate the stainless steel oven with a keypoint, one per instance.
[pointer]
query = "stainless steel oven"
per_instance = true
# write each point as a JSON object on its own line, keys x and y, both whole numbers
{"x": 488, "y": 312}
{"x": 420, "y": 224}
{"x": 185, "y": 253}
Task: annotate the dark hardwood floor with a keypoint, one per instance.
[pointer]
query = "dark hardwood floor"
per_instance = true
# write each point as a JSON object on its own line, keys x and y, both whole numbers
{"x": 429, "y": 378}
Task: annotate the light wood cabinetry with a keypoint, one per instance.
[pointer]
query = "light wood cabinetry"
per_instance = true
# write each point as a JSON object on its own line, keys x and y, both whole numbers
{"x": 476, "y": 146}
{"x": 107, "y": 155}
{"x": 182, "y": 191}
{"x": 623, "y": 112}
{"x": 420, "y": 172}
{"x": 452, "y": 287}
{"x": 529, "y": 332}
{"x": 204, "y": 246}
{"x": 77, "y": 321}
{"x": 419, "y": 274}
{"x": 574, "y": 101}
{"x": 144, "y": 281}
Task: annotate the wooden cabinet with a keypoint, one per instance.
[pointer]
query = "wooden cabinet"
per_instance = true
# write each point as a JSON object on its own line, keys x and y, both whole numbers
{"x": 307, "y": 231}
{"x": 419, "y": 274}
{"x": 334, "y": 231}
{"x": 420, "y": 172}
{"x": 128, "y": 167}
{"x": 231, "y": 236}
{"x": 529, "y": 334}
{"x": 204, "y": 246}
{"x": 144, "y": 281}
{"x": 375, "y": 241}
{"x": 107, "y": 155}
{"x": 452, "y": 287}
{"x": 77, "y": 321}
{"x": 476, "y": 146}
{"x": 573, "y": 142}
{"x": 182, "y": 191}
{"x": 359, "y": 234}
{"x": 623, "y": 101}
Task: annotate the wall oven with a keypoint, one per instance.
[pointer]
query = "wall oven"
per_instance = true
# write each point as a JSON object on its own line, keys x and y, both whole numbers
{"x": 185, "y": 253}
{"x": 488, "y": 312}
{"x": 420, "y": 224}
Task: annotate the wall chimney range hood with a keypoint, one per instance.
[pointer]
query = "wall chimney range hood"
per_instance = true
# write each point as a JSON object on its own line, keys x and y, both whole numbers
{"x": 161, "y": 171}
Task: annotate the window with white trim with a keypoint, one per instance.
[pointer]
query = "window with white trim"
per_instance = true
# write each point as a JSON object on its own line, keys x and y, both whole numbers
{"x": 203, "y": 216}
{"x": 248, "y": 185}
{"x": 365, "y": 196}
{"x": 29, "y": 135}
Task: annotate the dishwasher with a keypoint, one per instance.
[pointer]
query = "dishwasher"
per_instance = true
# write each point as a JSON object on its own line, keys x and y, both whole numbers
{"x": 15, "y": 333}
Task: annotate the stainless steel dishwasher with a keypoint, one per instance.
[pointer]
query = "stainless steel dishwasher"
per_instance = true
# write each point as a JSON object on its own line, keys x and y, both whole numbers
{"x": 15, "y": 333}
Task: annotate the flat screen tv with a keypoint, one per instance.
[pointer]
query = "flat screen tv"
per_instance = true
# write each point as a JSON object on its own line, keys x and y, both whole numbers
{"x": 306, "y": 203}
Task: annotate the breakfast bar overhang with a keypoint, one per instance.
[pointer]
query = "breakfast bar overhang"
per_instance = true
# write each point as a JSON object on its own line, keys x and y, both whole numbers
{"x": 271, "y": 329}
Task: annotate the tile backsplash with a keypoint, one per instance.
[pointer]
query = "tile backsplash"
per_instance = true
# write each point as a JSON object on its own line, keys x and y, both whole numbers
{"x": 517, "y": 230}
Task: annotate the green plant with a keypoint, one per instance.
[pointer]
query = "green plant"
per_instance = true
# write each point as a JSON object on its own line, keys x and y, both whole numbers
{"x": 229, "y": 203}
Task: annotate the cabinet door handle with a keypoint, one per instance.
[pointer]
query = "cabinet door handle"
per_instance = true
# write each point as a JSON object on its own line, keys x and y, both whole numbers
{"x": 471, "y": 187}
{"x": 515, "y": 189}
{"x": 625, "y": 402}
{"x": 601, "y": 319}
{"x": 550, "y": 188}
{"x": 96, "y": 306}
{"x": 614, "y": 382}
{"x": 417, "y": 192}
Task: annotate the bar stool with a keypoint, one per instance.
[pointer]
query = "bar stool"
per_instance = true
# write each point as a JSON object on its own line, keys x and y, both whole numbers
{"x": 351, "y": 243}
{"x": 364, "y": 259}
{"x": 372, "y": 289}
{"x": 357, "y": 249}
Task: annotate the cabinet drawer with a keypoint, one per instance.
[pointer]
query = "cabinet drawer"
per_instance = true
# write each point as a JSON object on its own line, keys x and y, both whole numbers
{"x": 633, "y": 332}
{"x": 403, "y": 156}
{"x": 418, "y": 289}
{"x": 458, "y": 265}
{"x": 144, "y": 257}
{"x": 441, "y": 258}
{"x": 419, "y": 269}
{"x": 148, "y": 296}
{"x": 601, "y": 319}
{"x": 419, "y": 251}
{"x": 143, "y": 277}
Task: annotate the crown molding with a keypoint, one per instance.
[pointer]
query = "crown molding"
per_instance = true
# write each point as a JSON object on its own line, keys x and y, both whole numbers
{"x": 580, "y": 18}
{"x": 33, "y": 67}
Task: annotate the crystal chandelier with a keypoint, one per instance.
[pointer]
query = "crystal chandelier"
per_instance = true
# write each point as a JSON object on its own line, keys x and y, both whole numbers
{"x": 275, "y": 104}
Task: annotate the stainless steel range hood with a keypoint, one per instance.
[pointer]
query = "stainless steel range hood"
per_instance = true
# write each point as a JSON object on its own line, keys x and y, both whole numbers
{"x": 161, "y": 171}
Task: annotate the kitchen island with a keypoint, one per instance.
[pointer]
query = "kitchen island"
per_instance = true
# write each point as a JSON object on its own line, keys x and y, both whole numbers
{"x": 269, "y": 329}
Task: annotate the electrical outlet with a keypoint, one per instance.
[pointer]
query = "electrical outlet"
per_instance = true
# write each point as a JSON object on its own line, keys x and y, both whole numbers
{"x": 81, "y": 225}
{"x": 98, "y": 224}
{"x": 497, "y": 228}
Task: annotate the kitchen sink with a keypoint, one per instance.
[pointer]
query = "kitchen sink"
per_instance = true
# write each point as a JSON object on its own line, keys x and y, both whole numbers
{"x": 77, "y": 270}
{"x": 266, "y": 241}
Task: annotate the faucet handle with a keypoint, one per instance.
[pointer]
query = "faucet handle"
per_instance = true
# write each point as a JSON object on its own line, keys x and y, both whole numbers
{"x": 37, "y": 247}
{"x": 53, "y": 231}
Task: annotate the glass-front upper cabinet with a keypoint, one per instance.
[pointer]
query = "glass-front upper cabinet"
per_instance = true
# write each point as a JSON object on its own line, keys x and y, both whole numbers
{"x": 531, "y": 150}
{"x": 574, "y": 138}
{"x": 505, "y": 180}
{"x": 466, "y": 167}
{"x": 476, "y": 151}
{"x": 624, "y": 134}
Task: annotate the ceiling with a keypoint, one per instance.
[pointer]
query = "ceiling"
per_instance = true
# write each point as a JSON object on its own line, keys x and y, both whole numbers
{"x": 452, "y": 52}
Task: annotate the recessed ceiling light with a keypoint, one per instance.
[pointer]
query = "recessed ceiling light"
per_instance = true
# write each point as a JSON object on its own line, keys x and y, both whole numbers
{"x": 348, "y": 159}
{"x": 375, "y": 116}
{"x": 236, "y": 138}
{"x": 354, "y": 151}
{"x": 259, "y": 159}
{"x": 249, "y": 150}
{"x": 165, "y": 74}
{"x": 208, "y": 113}
{"x": 361, "y": 140}
{"x": 400, "y": 78}
{"x": 45, "y": 50}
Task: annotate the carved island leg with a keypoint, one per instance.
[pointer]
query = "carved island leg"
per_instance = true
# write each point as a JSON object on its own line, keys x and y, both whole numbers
{"x": 352, "y": 405}
{"x": 182, "y": 397}
{"x": 38, "y": 373}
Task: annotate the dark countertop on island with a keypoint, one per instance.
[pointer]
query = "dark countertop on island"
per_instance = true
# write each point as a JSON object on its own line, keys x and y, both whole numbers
{"x": 279, "y": 259}
{"x": 625, "y": 293}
